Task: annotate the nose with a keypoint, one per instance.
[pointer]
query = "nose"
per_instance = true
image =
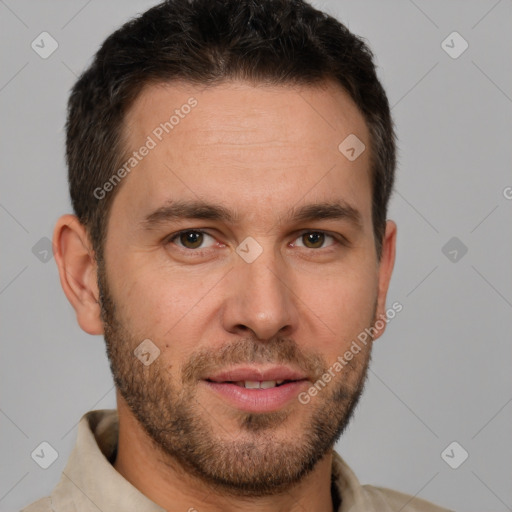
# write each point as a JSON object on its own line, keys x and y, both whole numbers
{"x": 260, "y": 301}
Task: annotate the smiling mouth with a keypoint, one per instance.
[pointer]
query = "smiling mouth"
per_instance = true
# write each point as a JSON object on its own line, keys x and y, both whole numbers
{"x": 255, "y": 384}
{"x": 257, "y": 391}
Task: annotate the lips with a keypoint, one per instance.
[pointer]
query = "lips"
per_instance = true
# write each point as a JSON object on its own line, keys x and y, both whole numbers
{"x": 252, "y": 374}
{"x": 253, "y": 389}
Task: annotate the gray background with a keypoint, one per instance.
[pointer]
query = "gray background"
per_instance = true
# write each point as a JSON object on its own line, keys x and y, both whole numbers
{"x": 441, "y": 373}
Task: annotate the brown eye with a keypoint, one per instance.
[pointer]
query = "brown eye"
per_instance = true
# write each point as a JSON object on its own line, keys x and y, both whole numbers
{"x": 191, "y": 239}
{"x": 313, "y": 240}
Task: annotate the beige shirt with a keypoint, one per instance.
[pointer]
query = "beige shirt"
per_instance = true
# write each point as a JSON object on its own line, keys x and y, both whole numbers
{"x": 89, "y": 483}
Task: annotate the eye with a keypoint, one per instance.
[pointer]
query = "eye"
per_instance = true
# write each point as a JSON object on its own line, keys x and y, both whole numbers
{"x": 314, "y": 240}
{"x": 193, "y": 239}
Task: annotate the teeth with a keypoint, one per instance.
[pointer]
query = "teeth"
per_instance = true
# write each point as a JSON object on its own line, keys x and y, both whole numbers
{"x": 268, "y": 384}
{"x": 254, "y": 384}
{"x": 251, "y": 384}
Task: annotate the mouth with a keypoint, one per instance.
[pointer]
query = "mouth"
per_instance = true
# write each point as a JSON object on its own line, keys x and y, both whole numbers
{"x": 261, "y": 390}
{"x": 256, "y": 384}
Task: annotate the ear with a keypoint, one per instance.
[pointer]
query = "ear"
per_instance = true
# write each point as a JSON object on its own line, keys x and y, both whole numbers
{"x": 78, "y": 272}
{"x": 386, "y": 264}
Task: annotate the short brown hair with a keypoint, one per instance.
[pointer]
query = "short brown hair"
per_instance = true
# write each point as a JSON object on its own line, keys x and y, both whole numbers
{"x": 206, "y": 42}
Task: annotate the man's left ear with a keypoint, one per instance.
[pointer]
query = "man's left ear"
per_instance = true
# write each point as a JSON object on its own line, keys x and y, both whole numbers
{"x": 387, "y": 261}
{"x": 78, "y": 272}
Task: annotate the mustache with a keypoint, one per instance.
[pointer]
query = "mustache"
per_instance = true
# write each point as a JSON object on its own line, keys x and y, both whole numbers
{"x": 278, "y": 350}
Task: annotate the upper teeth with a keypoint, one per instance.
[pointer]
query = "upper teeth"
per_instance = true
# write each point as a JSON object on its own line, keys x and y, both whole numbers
{"x": 256, "y": 384}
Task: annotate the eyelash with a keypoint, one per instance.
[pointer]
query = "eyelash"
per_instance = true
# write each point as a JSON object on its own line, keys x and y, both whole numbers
{"x": 337, "y": 239}
{"x": 174, "y": 236}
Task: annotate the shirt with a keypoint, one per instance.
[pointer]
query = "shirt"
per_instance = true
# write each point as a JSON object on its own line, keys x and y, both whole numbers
{"x": 90, "y": 483}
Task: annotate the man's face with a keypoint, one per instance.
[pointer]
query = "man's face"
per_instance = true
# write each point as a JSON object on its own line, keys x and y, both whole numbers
{"x": 226, "y": 311}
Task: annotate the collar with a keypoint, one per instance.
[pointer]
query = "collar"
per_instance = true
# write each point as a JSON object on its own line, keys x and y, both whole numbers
{"x": 90, "y": 483}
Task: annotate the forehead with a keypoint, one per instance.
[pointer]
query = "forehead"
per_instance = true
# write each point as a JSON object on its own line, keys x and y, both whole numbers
{"x": 240, "y": 110}
{"x": 240, "y": 143}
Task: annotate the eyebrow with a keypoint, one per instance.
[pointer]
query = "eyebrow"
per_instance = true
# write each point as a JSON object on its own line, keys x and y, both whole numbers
{"x": 174, "y": 210}
{"x": 339, "y": 210}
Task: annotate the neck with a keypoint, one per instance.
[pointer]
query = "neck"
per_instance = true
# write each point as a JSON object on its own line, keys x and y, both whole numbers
{"x": 166, "y": 483}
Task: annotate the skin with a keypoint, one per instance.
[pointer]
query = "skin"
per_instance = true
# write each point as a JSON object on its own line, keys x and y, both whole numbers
{"x": 258, "y": 151}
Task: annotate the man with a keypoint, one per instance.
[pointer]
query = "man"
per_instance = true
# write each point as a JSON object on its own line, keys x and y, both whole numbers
{"x": 230, "y": 164}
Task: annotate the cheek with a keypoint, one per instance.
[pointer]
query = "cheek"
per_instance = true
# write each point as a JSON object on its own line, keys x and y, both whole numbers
{"x": 341, "y": 306}
{"x": 166, "y": 306}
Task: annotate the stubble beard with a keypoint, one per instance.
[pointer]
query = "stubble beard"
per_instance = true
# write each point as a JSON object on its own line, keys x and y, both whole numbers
{"x": 255, "y": 461}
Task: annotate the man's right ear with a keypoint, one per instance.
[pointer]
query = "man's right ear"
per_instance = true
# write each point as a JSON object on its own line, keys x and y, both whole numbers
{"x": 78, "y": 272}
